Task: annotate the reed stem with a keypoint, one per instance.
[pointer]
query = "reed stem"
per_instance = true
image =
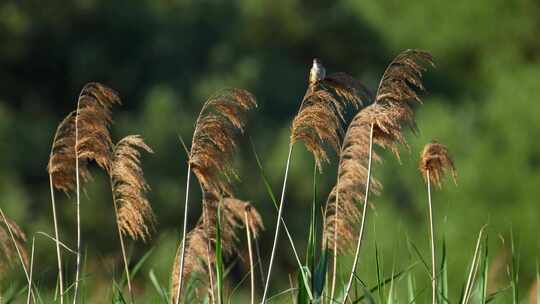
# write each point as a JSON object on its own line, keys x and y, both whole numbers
{"x": 184, "y": 228}
{"x": 250, "y": 251}
{"x": 363, "y": 220}
{"x": 276, "y": 234}
{"x": 31, "y": 271}
{"x": 432, "y": 240}
{"x": 122, "y": 245}
{"x": 57, "y": 241}
{"x": 78, "y": 194}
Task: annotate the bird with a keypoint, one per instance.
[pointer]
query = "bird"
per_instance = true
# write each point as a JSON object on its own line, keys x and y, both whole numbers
{"x": 317, "y": 72}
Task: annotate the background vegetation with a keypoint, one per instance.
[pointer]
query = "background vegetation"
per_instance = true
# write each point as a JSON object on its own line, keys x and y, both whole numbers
{"x": 166, "y": 57}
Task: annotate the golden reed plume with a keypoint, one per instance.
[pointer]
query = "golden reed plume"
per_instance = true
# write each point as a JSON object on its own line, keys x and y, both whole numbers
{"x": 135, "y": 215}
{"x": 222, "y": 117}
{"x": 93, "y": 120}
{"x": 201, "y": 240}
{"x": 213, "y": 144}
{"x": 94, "y": 142}
{"x": 61, "y": 164}
{"x": 435, "y": 161}
{"x": 389, "y": 112}
{"x": 321, "y": 116}
{"x": 8, "y": 252}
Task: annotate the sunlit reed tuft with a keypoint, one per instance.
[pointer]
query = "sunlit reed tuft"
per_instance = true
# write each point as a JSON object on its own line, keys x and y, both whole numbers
{"x": 214, "y": 138}
{"x": 389, "y": 112}
{"x": 436, "y": 161}
{"x": 201, "y": 240}
{"x": 320, "y": 120}
{"x": 135, "y": 216}
{"x": 8, "y": 252}
{"x": 61, "y": 164}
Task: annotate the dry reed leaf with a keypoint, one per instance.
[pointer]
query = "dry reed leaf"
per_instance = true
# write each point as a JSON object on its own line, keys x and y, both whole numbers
{"x": 213, "y": 146}
{"x": 61, "y": 164}
{"x": 436, "y": 161}
{"x": 321, "y": 116}
{"x": 389, "y": 112}
{"x": 8, "y": 253}
{"x": 201, "y": 240}
{"x": 135, "y": 215}
{"x": 93, "y": 120}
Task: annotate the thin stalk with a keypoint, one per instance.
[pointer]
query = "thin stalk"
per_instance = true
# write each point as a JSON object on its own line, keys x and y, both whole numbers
{"x": 291, "y": 242}
{"x": 250, "y": 251}
{"x": 31, "y": 271}
{"x": 334, "y": 267}
{"x": 78, "y": 194}
{"x": 19, "y": 254}
{"x": 122, "y": 245}
{"x": 432, "y": 240}
{"x": 183, "y": 250}
{"x": 259, "y": 261}
{"x": 363, "y": 220}
{"x": 219, "y": 260}
{"x": 57, "y": 241}
{"x": 474, "y": 268}
{"x": 209, "y": 263}
{"x": 276, "y": 234}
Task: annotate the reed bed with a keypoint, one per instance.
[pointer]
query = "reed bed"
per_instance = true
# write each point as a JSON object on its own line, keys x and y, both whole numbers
{"x": 338, "y": 116}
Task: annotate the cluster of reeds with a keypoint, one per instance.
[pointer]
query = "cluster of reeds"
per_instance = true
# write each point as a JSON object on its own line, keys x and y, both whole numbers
{"x": 321, "y": 125}
{"x": 84, "y": 137}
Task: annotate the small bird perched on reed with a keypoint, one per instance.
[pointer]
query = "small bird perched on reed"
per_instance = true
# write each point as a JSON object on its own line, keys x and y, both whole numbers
{"x": 317, "y": 72}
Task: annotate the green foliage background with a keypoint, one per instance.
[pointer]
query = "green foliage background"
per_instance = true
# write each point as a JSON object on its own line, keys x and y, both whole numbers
{"x": 166, "y": 57}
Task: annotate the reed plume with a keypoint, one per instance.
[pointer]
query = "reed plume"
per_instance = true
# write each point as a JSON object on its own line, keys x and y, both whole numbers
{"x": 61, "y": 166}
{"x": 17, "y": 237}
{"x": 214, "y": 139}
{"x": 92, "y": 143}
{"x": 320, "y": 120}
{"x": 318, "y": 123}
{"x": 135, "y": 216}
{"x": 11, "y": 243}
{"x": 380, "y": 123}
{"x": 201, "y": 240}
{"x": 435, "y": 162}
{"x": 93, "y": 119}
{"x": 61, "y": 169}
{"x": 221, "y": 118}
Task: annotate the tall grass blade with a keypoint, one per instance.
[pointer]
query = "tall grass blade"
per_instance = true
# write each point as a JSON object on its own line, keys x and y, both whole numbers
{"x": 319, "y": 275}
{"x": 302, "y": 296}
{"x": 514, "y": 271}
{"x": 411, "y": 288}
{"x": 537, "y": 284}
{"x": 485, "y": 272}
{"x": 443, "y": 276}
{"x": 474, "y": 267}
{"x": 162, "y": 292}
{"x": 379, "y": 274}
{"x": 274, "y": 201}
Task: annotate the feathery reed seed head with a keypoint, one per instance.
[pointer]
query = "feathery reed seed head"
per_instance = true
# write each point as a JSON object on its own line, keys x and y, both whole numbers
{"x": 8, "y": 253}
{"x": 135, "y": 215}
{"x": 321, "y": 116}
{"x": 201, "y": 241}
{"x": 435, "y": 160}
{"x": 387, "y": 114}
{"x": 93, "y": 119}
{"x": 213, "y": 145}
{"x": 61, "y": 166}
